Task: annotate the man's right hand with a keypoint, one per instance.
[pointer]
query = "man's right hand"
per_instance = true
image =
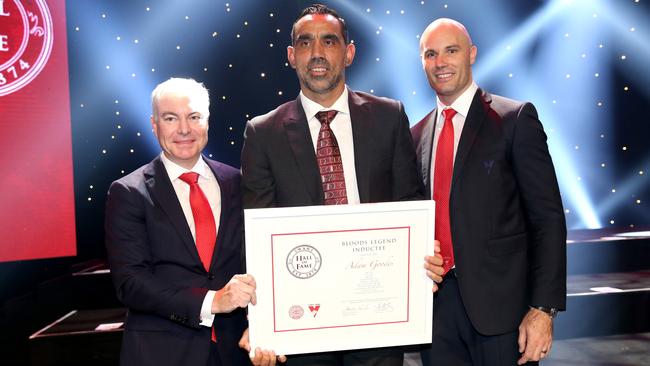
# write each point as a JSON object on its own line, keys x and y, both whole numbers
{"x": 261, "y": 357}
{"x": 237, "y": 293}
{"x": 433, "y": 265}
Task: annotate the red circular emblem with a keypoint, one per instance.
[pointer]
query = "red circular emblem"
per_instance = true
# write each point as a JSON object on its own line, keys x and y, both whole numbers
{"x": 25, "y": 42}
{"x": 296, "y": 312}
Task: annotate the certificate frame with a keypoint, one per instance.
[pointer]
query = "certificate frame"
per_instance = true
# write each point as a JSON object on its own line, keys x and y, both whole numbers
{"x": 340, "y": 277}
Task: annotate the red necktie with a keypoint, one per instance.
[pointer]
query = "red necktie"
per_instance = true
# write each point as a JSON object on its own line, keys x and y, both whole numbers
{"x": 441, "y": 187}
{"x": 206, "y": 231}
{"x": 329, "y": 160}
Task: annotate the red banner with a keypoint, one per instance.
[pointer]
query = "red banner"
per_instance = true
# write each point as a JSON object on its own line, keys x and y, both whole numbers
{"x": 36, "y": 187}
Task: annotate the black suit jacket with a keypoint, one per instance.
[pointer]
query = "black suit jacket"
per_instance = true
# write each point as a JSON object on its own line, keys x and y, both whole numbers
{"x": 158, "y": 274}
{"x": 279, "y": 167}
{"x": 507, "y": 222}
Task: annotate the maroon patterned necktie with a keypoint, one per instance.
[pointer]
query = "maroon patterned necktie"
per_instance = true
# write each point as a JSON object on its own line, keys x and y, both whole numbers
{"x": 329, "y": 160}
{"x": 441, "y": 188}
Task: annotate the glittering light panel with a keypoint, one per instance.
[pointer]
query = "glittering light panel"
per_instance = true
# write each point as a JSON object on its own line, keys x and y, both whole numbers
{"x": 36, "y": 197}
{"x": 583, "y": 63}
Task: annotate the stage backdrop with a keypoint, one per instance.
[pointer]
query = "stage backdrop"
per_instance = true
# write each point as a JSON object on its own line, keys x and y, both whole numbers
{"x": 36, "y": 200}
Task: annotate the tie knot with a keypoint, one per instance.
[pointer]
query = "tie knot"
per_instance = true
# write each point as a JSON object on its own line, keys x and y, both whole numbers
{"x": 325, "y": 117}
{"x": 190, "y": 177}
{"x": 449, "y": 113}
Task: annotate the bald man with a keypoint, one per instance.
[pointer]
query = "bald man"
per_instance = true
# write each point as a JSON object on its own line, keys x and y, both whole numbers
{"x": 499, "y": 218}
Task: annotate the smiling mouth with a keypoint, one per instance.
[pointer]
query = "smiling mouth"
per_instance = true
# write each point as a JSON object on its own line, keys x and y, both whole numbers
{"x": 317, "y": 70}
{"x": 184, "y": 142}
{"x": 444, "y": 76}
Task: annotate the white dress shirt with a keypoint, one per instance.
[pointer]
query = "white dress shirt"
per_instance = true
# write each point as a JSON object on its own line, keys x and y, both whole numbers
{"x": 341, "y": 126}
{"x": 210, "y": 187}
{"x": 461, "y": 106}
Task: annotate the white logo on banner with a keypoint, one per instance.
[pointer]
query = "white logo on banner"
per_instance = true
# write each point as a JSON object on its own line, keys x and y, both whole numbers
{"x": 25, "y": 42}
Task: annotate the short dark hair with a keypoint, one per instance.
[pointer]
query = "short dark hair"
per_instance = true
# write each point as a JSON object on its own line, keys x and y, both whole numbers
{"x": 321, "y": 9}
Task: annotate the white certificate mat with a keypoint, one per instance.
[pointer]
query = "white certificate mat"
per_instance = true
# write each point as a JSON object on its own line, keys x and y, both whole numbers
{"x": 340, "y": 277}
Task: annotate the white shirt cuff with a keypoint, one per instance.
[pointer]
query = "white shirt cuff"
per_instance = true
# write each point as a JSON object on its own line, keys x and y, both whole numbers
{"x": 206, "y": 309}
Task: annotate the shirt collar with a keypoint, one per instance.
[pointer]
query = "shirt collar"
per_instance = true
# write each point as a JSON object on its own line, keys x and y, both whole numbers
{"x": 311, "y": 107}
{"x": 462, "y": 103}
{"x": 174, "y": 170}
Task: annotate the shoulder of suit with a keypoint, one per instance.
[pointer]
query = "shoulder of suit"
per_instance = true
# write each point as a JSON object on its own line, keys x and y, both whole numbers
{"x": 364, "y": 97}
{"x": 423, "y": 122}
{"x": 138, "y": 177}
{"x": 276, "y": 115}
{"x": 223, "y": 168}
{"x": 504, "y": 101}
{"x": 506, "y": 106}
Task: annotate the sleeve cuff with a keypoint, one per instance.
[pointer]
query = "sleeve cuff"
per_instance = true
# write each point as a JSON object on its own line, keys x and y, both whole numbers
{"x": 206, "y": 309}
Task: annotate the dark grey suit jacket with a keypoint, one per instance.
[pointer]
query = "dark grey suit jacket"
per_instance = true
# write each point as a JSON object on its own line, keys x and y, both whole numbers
{"x": 279, "y": 167}
{"x": 159, "y": 276}
{"x": 507, "y": 221}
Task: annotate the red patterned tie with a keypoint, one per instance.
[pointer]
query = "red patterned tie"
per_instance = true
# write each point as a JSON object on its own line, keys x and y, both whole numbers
{"x": 329, "y": 160}
{"x": 206, "y": 230}
{"x": 441, "y": 187}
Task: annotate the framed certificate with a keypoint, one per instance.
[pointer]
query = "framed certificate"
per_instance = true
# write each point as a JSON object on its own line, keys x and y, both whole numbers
{"x": 340, "y": 277}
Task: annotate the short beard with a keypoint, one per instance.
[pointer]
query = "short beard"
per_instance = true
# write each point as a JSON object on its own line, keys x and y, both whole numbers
{"x": 307, "y": 82}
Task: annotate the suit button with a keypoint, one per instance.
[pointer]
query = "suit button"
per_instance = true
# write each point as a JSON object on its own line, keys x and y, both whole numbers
{"x": 210, "y": 276}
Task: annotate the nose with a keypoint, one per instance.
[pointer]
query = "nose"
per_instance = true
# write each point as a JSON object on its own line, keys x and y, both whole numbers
{"x": 316, "y": 50}
{"x": 183, "y": 126}
{"x": 440, "y": 61}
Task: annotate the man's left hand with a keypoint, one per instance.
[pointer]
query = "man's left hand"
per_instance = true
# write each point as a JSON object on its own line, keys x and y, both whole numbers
{"x": 535, "y": 336}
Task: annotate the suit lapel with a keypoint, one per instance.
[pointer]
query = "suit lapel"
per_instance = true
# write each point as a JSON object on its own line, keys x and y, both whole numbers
{"x": 475, "y": 118}
{"x": 362, "y": 143}
{"x": 225, "y": 189}
{"x": 161, "y": 189}
{"x": 297, "y": 130}
{"x": 426, "y": 146}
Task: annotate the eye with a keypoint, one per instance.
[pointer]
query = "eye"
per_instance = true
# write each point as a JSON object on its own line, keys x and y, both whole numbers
{"x": 452, "y": 50}
{"x": 169, "y": 119}
{"x": 195, "y": 118}
{"x": 429, "y": 54}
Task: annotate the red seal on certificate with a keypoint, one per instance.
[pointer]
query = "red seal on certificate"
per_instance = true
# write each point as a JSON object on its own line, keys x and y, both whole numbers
{"x": 26, "y": 39}
{"x": 296, "y": 312}
{"x": 303, "y": 261}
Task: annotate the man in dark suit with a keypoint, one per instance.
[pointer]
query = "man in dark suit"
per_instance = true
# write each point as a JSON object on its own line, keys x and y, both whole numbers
{"x": 503, "y": 230}
{"x": 173, "y": 236}
{"x": 331, "y": 145}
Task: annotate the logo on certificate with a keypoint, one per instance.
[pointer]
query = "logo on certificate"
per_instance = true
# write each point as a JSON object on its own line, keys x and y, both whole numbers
{"x": 314, "y": 309}
{"x": 26, "y": 38}
{"x": 296, "y": 312}
{"x": 303, "y": 261}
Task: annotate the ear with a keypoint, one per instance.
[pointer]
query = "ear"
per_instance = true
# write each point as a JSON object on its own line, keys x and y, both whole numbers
{"x": 472, "y": 54}
{"x": 291, "y": 56}
{"x": 349, "y": 54}
{"x": 153, "y": 127}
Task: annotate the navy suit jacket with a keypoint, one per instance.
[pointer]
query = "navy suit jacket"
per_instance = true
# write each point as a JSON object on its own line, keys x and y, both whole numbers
{"x": 158, "y": 274}
{"x": 507, "y": 222}
{"x": 279, "y": 167}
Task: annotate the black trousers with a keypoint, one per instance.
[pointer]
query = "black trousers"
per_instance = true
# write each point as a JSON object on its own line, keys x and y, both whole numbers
{"x": 214, "y": 359}
{"x": 370, "y": 357}
{"x": 457, "y": 343}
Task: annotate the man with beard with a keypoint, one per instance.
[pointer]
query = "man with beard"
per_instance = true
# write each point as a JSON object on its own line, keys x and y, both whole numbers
{"x": 330, "y": 145}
